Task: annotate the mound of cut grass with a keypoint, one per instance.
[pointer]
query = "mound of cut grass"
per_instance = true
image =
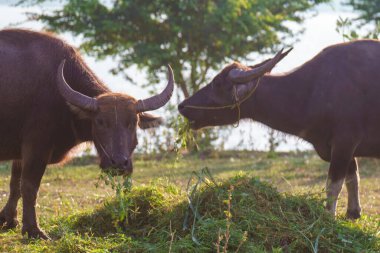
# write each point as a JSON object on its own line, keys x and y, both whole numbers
{"x": 240, "y": 214}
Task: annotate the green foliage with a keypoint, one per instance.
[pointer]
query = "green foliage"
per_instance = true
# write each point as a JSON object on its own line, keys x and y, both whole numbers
{"x": 121, "y": 205}
{"x": 201, "y": 140}
{"x": 4, "y": 166}
{"x": 194, "y": 36}
{"x": 241, "y": 214}
{"x": 367, "y": 21}
{"x": 185, "y": 136}
{"x": 343, "y": 27}
{"x": 368, "y": 10}
{"x": 75, "y": 213}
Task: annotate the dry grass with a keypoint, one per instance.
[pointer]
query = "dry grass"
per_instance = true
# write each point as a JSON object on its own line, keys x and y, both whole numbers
{"x": 69, "y": 194}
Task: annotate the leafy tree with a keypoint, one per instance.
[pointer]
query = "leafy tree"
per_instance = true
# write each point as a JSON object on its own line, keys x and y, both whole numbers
{"x": 194, "y": 36}
{"x": 368, "y": 19}
{"x": 368, "y": 10}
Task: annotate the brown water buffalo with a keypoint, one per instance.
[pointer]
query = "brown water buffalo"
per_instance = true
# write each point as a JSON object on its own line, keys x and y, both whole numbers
{"x": 331, "y": 101}
{"x": 50, "y": 101}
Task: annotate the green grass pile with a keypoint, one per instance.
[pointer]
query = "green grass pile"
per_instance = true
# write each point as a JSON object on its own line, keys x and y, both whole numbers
{"x": 241, "y": 214}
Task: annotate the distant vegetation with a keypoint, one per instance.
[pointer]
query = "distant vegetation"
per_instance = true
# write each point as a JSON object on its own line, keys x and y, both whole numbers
{"x": 366, "y": 24}
{"x": 195, "y": 37}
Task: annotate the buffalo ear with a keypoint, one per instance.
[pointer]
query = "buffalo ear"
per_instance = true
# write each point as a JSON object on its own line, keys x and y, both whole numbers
{"x": 147, "y": 120}
{"x": 79, "y": 112}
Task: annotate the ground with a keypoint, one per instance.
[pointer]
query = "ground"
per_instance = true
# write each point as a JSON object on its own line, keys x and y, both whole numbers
{"x": 75, "y": 187}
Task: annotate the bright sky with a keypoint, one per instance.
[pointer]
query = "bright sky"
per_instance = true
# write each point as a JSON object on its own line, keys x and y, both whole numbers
{"x": 319, "y": 33}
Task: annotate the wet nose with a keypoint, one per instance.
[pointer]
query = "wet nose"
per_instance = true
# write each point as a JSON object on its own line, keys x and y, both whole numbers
{"x": 120, "y": 162}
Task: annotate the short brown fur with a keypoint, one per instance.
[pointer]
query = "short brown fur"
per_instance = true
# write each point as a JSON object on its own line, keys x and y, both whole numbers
{"x": 39, "y": 127}
{"x": 331, "y": 101}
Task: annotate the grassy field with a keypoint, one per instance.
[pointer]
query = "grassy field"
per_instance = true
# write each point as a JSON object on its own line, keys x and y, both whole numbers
{"x": 75, "y": 190}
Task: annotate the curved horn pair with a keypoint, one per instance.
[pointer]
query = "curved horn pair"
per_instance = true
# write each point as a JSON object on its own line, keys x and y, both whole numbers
{"x": 245, "y": 76}
{"x": 85, "y": 102}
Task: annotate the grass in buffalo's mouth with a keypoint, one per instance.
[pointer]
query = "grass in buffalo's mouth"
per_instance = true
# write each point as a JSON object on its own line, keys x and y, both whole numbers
{"x": 242, "y": 214}
{"x": 185, "y": 135}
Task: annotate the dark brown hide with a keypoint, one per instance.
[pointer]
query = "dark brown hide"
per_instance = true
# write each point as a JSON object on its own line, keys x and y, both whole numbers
{"x": 331, "y": 101}
{"x": 41, "y": 123}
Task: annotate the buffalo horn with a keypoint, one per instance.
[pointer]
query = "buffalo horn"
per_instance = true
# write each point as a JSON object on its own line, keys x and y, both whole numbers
{"x": 159, "y": 100}
{"x": 73, "y": 97}
{"x": 244, "y": 76}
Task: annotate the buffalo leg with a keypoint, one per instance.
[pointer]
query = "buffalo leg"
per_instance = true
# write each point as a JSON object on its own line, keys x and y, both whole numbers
{"x": 341, "y": 157}
{"x": 352, "y": 185}
{"x": 8, "y": 216}
{"x": 33, "y": 169}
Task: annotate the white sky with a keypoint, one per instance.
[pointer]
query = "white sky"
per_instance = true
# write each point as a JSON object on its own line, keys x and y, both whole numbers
{"x": 319, "y": 33}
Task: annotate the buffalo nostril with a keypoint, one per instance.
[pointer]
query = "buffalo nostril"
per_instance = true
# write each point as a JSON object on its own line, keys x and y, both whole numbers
{"x": 113, "y": 162}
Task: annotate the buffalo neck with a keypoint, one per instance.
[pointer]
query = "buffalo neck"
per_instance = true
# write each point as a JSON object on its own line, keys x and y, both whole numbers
{"x": 279, "y": 102}
{"x": 82, "y": 79}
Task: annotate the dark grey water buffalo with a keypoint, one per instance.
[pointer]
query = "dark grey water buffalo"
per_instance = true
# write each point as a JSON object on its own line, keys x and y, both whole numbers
{"x": 331, "y": 101}
{"x": 50, "y": 101}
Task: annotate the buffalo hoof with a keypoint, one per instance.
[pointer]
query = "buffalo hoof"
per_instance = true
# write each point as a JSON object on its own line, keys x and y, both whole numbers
{"x": 7, "y": 221}
{"x": 35, "y": 233}
{"x": 353, "y": 214}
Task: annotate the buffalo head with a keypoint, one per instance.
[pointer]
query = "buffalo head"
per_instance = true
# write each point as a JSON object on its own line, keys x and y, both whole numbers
{"x": 218, "y": 103}
{"x": 114, "y": 118}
